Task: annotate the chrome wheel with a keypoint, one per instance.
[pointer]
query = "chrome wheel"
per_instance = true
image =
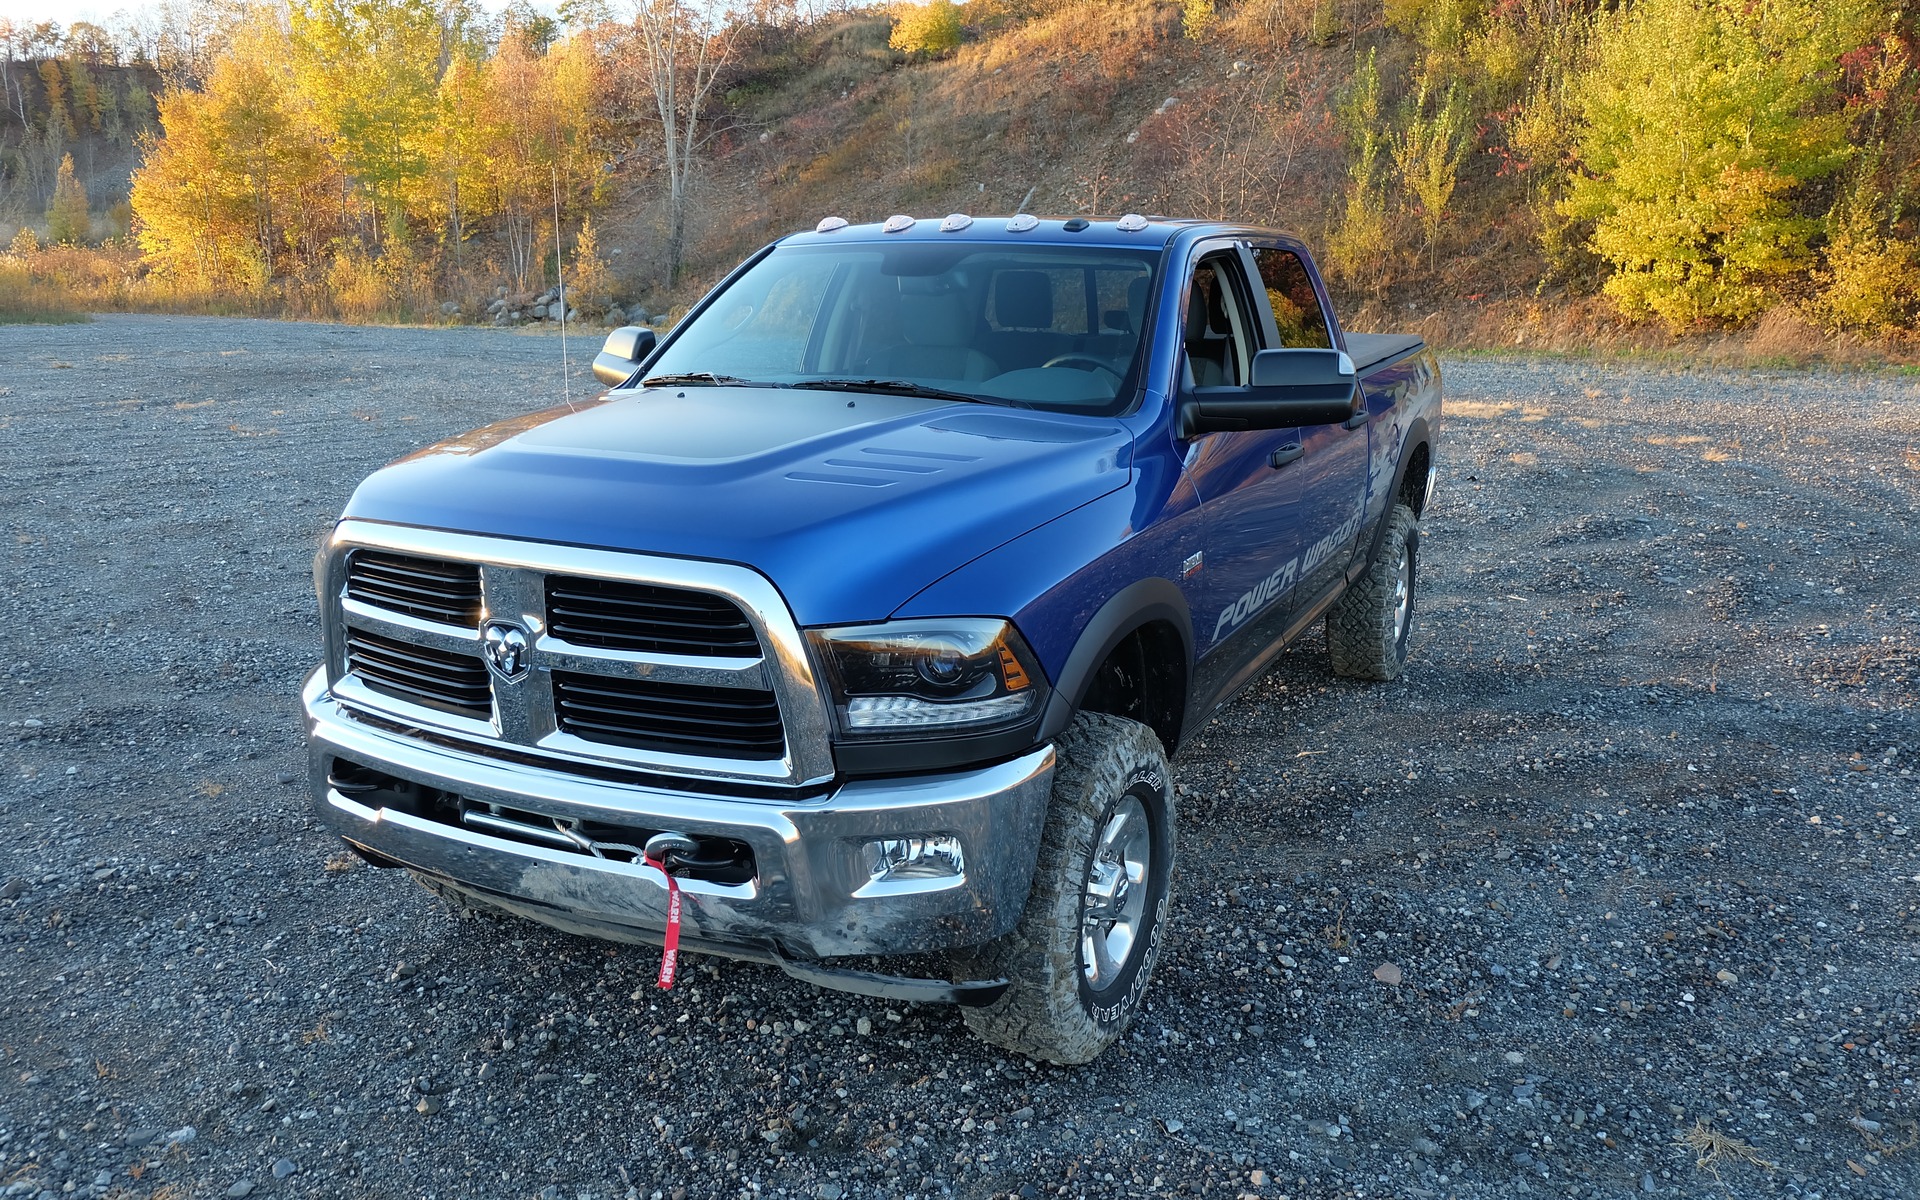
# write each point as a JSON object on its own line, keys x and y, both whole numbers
{"x": 1114, "y": 901}
{"x": 1402, "y": 590}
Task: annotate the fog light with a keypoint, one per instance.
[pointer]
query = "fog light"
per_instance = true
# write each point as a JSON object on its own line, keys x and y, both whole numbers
{"x": 936, "y": 859}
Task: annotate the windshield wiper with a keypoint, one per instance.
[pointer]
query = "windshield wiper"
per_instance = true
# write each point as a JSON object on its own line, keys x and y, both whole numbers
{"x": 902, "y": 387}
{"x": 703, "y": 379}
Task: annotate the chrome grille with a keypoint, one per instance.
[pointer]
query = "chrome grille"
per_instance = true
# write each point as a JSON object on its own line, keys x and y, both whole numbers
{"x": 454, "y": 683}
{"x": 617, "y": 615}
{"x": 676, "y": 718}
{"x": 663, "y": 665}
{"x": 432, "y": 590}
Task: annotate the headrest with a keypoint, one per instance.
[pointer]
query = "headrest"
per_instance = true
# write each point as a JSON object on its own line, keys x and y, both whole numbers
{"x": 1137, "y": 302}
{"x": 1023, "y": 300}
{"x": 1196, "y": 311}
{"x": 936, "y": 318}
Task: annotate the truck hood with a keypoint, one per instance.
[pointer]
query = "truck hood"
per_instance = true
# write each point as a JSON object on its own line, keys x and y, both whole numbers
{"x": 849, "y": 503}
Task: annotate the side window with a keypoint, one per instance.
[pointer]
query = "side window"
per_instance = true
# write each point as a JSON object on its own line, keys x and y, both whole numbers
{"x": 1219, "y": 335}
{"x": 772, "y": 336}
{"x": 1296, "y": 310}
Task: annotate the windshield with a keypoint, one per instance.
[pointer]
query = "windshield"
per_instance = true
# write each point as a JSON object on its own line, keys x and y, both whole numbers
{"x": 1054, "y": 327}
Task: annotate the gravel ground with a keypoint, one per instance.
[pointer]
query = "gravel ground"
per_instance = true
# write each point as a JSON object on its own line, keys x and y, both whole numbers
{"x": 1625, "y": 859}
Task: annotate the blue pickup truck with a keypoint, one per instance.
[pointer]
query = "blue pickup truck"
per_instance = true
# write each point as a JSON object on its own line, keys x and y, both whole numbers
{"x": 859, "y": 619}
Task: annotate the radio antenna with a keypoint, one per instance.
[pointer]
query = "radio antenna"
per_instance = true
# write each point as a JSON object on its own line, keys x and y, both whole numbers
{"x": 560, "y": 281}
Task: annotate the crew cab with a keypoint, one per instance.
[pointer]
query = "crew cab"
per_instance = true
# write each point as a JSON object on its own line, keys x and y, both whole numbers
{"x": 861, "y": 616}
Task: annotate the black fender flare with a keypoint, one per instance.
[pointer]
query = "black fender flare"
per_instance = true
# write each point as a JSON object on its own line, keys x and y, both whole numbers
{"x": 1139, "y": 603}
{"x": 1416, "y": 435}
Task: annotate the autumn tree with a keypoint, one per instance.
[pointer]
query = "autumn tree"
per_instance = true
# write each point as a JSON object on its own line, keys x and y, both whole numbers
{"x": 68, "y": 222}
{"x": 929, "y": 29}
{"x": 368, "y": 69}
{"x": 240, "y": 184}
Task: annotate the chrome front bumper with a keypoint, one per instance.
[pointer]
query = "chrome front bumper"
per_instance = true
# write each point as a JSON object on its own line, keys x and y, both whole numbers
{"x": 811, "y": 896}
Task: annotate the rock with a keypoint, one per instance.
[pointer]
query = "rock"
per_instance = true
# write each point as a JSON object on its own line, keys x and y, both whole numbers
{"x": 103, "y": 1178}
{"x": 283, "y": 1167}
{"x": 449, "y": 309}
{"x": 863, "y": 1026}
{"x": 828, "y": 1191}
{"x": 1726, "y": 976}
{"x": 1647, "y": 1184}
{"x": 1475, "y": 1099}
{"x": 639, "y": 316}
{"x": 500, "y": 292}
{"x": 1174, "y": 1124}
{"x": 182, "y": 1135}
{"x": 540, "y": 312}
{"x": 1425, "y": 1146}
{"x": 616, "y": 316}
{"x": 573, "y": 314}
{"x": 139, "y": 1137}
{"x": 429, "y": 1105}
{"x": 12, "y": 888}
{"x": 1021, "y": 1114}
{"x": 1257, "y": 1177}
{"x": 240, "y": 1190}
{"x": 287, "y": 777}
{"x": 1515, "y": 1057}
{"x": 1387, "y": 973}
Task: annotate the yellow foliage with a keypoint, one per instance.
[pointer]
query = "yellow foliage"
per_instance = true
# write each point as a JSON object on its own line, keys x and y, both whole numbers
{"x": 1197, "y": 18}
{"x": 931, "y": 29}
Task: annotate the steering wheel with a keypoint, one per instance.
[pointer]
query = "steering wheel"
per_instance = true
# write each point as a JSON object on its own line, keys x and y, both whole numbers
{"x": 1085, "y": 362}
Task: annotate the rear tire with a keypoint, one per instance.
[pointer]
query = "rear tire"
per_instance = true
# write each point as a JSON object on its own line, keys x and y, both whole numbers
{"x": 1368, "y": 627}
{"x": 1080, "y": 959}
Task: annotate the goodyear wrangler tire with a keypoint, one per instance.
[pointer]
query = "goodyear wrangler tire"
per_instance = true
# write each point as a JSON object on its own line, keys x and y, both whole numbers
{"x": 1081, "y": 957}
{"x": 1367, "y": 627}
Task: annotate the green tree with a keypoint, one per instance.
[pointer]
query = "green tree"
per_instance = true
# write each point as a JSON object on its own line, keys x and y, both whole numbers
{"x": 1426, "y": 152}
{"x": 68, "y": 222}
{"x": 369, "y": 70}
{"x": 1358, "y": 249}
{"x": 1699, "y": 121}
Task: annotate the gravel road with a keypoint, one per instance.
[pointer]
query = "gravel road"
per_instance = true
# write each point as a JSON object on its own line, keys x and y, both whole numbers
{"x": 1614, "y": 894}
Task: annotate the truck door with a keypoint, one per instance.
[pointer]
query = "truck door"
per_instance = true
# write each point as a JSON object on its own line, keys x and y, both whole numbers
{"x": 1249, "y": 505}
{"x": 1329, "y": 472}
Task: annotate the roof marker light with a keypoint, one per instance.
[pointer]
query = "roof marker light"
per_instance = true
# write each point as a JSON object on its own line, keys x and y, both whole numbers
{"x": 829, "y": 224}
{"x": 1131, "y": 223}
{"x": 1021, "y": 222}
{"x": 1076, "y": 225}
{"x": 955, "y": 222}
{"x": 897, "y": 223}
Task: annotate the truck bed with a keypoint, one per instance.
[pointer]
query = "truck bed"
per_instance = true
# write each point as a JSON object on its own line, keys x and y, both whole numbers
{"x": 1369, "y": 350}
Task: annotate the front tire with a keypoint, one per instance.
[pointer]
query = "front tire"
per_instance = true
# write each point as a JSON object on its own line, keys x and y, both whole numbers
{"x": 1368, "y": 627}
{"x": 1084, "y": 951}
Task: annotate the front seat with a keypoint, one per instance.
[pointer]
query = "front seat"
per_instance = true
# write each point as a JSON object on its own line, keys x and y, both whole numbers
{"x": 938, "y": 328}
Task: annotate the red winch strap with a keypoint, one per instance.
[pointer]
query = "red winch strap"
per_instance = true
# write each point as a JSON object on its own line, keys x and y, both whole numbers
{"x": 670, "y": 953}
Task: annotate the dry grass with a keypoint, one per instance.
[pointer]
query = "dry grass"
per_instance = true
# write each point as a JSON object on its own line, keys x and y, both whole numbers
{"x": 1711, "y": 1149}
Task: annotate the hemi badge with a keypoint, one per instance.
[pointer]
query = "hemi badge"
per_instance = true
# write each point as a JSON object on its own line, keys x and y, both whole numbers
{"x": 1192, "y": 565}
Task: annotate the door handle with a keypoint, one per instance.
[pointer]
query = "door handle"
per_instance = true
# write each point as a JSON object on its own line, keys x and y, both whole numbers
{"x": 1287, "y": 453}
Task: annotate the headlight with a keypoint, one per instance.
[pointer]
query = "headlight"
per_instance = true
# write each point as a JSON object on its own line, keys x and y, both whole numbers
{"x": 961, "y": 674}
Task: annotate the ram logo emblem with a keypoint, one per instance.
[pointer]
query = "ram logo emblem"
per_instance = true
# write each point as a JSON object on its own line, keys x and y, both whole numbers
{"x": 506, "y": 649}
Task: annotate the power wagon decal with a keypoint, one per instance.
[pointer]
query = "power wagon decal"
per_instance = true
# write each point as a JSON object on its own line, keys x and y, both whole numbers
{"x": 1283, "y": 577}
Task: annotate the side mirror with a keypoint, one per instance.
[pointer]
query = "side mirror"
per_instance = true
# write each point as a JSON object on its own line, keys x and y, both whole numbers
{"x": 626, "y": 348}
{"x": 1289, "y": 388}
